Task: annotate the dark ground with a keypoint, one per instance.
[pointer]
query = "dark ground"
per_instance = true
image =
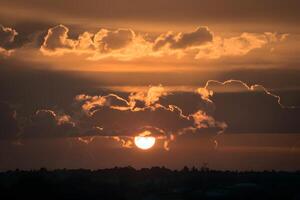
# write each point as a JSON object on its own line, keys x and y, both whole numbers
{"x": 153, "y": 183}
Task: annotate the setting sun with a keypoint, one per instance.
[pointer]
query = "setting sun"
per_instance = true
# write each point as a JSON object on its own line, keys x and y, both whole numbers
{"x": 144, "y": 142}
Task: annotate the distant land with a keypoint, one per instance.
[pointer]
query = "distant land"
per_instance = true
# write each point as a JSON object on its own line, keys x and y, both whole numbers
{"x": 148, "y": 183}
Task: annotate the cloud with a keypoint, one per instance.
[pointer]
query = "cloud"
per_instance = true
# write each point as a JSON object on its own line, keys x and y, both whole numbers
{"x": 121, "y": 44}
{"x": 7, "y": 37}
{"x": 106, "y": 40}
{"x": 213, "y": 108}
{"x": 47, "y": 124}
{"x": 125, "y": 44}
{"x": 57, "y": 41}
{"x": 85, "y": 42}
{"x": 214, "y": 99}
{"x": 243, "y": 107}
{"x": 202, "y": 120}
{"x": 238, "y": 45}
{"x": 129, "y": 123}
{"x": 149, "y": 98}
{"x": 122, "y": 118}
{"x": 136, "y": 101}
{"x": 205, "y": 93}
{"x": 200, "y": 36}
{"x": 254, "y": 109}
{"x": 125, "y": 142}
{"x": 5, "y": 52}
{"x": 90, "y": 103}
{"x": 142, "y": 111}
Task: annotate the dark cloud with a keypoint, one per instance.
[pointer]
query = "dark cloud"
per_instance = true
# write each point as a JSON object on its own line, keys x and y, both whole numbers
{"x": 47, "y": 124}
{"x": 244, "y": 109}
{"x": 34, "y": 89}
{"x": 198, "y": 37}
{"x": 7, "y": 36}
{"x": 237, "y": 112}
{"x": 57, "y": 38}
{"x": 22, "y": 35}
{"x": 194, "y": 104}
{"x": 255, "y": 112}
{"x": 127, "y": 117}
{"x": 112, "y": 115}
{"x": 129, "y": 123}
{"x": 30, "y": 35}
{"x": 109, "y": 40}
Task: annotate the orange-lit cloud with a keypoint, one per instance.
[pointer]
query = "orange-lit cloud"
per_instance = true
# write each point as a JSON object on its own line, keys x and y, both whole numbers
{"x": 125, "y": 141}
{"x": 142, "y": 112}
{"x": 7, "y": 37}
{"x": 147, "y": 98}
{"x": 121, "y": 44}
{"x": 237, "y": 46}
{"x": 57, "y": 41}
{"x": 126, "y": 44}
{"x": 200, "y": 36}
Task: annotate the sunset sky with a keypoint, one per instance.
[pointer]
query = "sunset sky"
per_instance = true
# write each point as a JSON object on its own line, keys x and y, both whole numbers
{"x": 214, "y": 82}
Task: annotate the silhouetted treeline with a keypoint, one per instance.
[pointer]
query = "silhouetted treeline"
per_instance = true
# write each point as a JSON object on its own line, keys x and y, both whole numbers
{"x": 154, "y": 183}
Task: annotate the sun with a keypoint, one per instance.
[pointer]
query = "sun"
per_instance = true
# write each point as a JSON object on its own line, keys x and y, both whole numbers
{"x": 144, "y": 142}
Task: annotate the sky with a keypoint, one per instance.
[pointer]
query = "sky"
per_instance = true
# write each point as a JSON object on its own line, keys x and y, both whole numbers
{"x": 214, "y": 82}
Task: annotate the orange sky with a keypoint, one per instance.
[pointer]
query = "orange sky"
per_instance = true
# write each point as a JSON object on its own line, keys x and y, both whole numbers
{"x": 113, "y": 69}
{"x": 105, "y": 35}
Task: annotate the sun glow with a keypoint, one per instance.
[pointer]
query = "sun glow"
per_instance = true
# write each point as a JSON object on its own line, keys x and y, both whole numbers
{"x": 144, "y": 142}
